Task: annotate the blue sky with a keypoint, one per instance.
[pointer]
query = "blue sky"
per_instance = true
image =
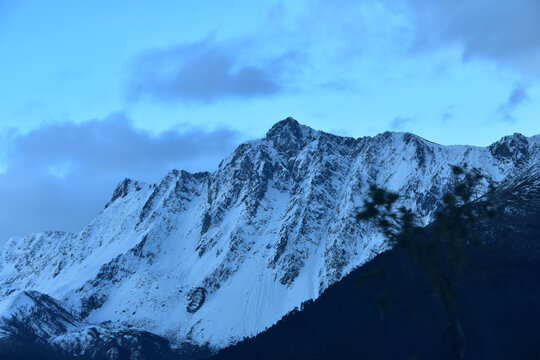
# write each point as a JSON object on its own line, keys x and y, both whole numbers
{"x": 92, "y": 92}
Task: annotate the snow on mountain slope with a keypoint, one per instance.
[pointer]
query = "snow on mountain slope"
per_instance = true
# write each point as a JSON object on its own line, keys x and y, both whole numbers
{"x": 214, "y": 257}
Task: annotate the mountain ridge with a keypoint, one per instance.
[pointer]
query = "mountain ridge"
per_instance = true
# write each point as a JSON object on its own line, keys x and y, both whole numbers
{"x": 389, "y": 301}
{"x": 272, "y": 227}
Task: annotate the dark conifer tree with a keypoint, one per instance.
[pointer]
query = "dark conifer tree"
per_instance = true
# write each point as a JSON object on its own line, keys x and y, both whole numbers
{"x": 439, "y": 251}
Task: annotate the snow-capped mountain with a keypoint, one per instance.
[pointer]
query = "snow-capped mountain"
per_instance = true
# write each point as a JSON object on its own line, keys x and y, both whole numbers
{"x": 210, "y": 258}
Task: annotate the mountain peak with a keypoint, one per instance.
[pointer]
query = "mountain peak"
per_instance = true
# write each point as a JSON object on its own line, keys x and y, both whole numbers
{"x": 287, "y": 127}
{"x": 288, "y": 120}
{"x": 513, "y": 148}
{"x": 290, "y": 136}
{"x": 122, "y": 189}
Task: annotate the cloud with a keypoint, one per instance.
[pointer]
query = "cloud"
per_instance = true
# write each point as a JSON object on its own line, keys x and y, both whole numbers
{"x": 400, "y": 123}
{"x": 59, "y": 176}
{"x": 506, "y": 31}
{"x": 203, "y": 71}
{"x": 337, "y": 36}
{"x": 517, "y": 97}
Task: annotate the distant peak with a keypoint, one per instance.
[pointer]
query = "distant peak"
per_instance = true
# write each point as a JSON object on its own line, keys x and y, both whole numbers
{"x": 515, "y": 139}
{"x": 289, "y": 128}
{"x": 512, "y": 147}
{"x": 285, "y": 123}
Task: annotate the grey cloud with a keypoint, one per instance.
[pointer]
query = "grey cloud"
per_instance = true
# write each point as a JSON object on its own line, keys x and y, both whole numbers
{"x": 59, "y": 176}
{"x": 507, "y": 31}
{"x": 517, "y": 97}
{"x": 202, "y": 71}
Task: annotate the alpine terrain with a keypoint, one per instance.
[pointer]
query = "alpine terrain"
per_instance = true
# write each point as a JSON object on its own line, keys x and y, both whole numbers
{"x": 386, "y": 309}
{"x": 201, "y": 261}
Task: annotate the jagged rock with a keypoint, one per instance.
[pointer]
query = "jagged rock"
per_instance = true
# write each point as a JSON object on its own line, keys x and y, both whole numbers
{"x": 122, "y": 190}
{"x": 195, "y": 299}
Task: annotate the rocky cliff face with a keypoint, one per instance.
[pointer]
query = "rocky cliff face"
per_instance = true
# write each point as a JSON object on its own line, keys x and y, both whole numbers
{"x": 210, "y": 258}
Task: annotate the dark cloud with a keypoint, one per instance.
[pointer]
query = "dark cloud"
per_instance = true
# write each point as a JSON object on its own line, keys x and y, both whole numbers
{"x": 507, "y": 31}
{"x": 517, "y": 97}
{"x": 59, "y": 176}
{"x": 203, "y": 71}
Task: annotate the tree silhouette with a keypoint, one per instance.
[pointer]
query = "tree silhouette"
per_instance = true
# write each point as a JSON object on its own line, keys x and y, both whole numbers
{"x": 439, "y": 250}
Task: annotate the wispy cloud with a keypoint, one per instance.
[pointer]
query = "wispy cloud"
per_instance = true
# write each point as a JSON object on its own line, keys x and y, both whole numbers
{"x": 400, "y": 123}
{"x": 517, "y": 97}
{"x": 505, "y": 31}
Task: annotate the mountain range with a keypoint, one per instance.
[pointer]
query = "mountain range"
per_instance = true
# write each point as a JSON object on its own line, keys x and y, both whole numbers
{"x": 201, "y": 261}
